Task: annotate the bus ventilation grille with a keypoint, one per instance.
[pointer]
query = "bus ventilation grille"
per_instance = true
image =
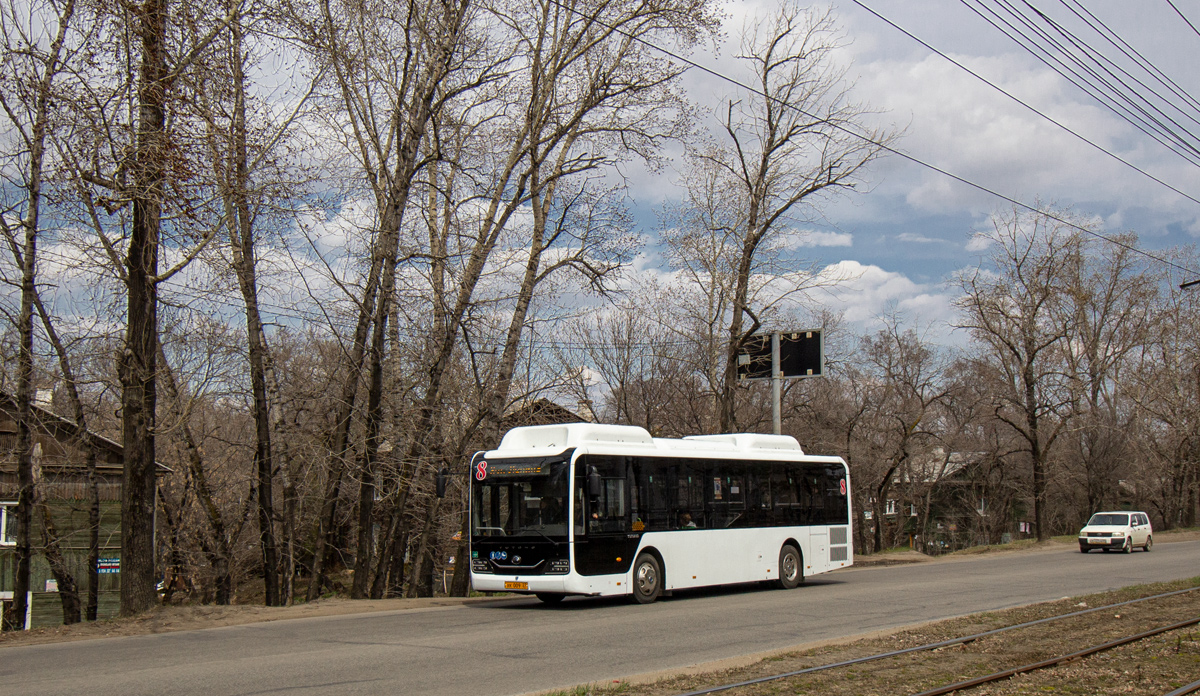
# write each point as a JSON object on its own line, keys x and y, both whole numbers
{"x": 838, "y": 554}
{"x": 837, "y": 535}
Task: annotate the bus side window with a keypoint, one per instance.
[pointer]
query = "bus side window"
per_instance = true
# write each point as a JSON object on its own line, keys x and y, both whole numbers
{"x": 784, "y": 485}
{"x": 609, "y": 513}
{"x": 758, "y": 497}
{"x": 690, "y": 493}
{"x": 652, "y": 482}
{"x": 835, "y": 502}
{"x": 636, "y": 505}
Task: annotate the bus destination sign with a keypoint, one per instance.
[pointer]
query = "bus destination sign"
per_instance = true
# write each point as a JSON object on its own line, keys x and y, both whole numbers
{"x": 494, "y": 469}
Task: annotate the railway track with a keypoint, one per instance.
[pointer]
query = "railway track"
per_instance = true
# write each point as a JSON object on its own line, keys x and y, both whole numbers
{"x": 967, "y": 684}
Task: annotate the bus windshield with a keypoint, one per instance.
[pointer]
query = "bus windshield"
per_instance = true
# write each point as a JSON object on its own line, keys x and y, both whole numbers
{"x": 524, "y": 504}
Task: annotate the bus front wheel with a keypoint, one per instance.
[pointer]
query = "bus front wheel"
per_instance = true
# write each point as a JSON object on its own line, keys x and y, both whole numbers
{"x": 791, "y": 570}
{"x": 549, "y": 597}
{"x": 647, "y": 579}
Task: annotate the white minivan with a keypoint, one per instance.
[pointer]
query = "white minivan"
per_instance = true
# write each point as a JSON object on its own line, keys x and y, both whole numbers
{"x": 1116, "y": 530}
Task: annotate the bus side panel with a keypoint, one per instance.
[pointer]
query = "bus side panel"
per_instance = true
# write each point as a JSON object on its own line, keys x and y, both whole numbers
{"x": 700, "y": 558}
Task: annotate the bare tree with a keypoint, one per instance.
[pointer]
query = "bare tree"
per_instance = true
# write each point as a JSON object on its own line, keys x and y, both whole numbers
{"x": 390, "y": 70}
{"x": 588, "y": 95}
{"x": 128, "y": 152}
{"x": 1012, "y": 314}
{"x": 246, "y": 140}
{"x": 906, "y": 387}
{"x": 796, "y": 138}
{"x": 1166, "y": 388}
{"x": 1110, "y": 316}
{"x": 35, "y": 56}
{"x": 218, "y": 541}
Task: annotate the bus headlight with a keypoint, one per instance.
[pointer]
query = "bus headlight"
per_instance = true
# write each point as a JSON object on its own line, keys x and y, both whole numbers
{"x": 561, "y": 565}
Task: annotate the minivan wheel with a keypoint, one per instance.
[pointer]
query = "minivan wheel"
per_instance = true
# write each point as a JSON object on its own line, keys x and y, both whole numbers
{"x": 1128, "y": 547}
{"x": 1148, "y": 544}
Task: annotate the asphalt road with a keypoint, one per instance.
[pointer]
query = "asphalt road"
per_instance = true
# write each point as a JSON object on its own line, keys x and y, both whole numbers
{"x": 518, "y": 646}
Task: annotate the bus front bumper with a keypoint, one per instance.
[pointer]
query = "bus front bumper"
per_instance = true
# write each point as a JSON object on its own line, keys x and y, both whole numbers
{"x": 530, "y": 584}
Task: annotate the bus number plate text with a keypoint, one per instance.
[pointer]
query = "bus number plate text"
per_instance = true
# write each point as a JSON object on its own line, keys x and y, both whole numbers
{"x": 516, "y": 586}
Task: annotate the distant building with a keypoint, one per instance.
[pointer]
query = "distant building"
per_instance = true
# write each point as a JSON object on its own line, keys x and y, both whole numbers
{"x": 64, "y": 487}
{"x": 543, "y": 411}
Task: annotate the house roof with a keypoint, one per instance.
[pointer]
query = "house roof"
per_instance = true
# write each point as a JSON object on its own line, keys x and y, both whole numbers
{"x": 63, "y": 430}
{"x": 939, "y": 466}
{"x": 542, "y": 411}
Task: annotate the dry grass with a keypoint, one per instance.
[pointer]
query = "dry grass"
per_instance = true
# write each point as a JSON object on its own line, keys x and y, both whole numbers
{"x": 1151, "y": 667}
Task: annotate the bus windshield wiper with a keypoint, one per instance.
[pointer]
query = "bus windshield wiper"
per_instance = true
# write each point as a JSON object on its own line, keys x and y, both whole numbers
{"x": 543, "y": 535}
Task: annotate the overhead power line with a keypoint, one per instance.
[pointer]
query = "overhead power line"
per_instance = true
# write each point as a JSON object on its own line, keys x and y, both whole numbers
{"x": 1185, "y": 19}
{"x": 1091, "y": 72}
{"x": 866, "y": 138}
{"x": 1130, "y": 52}
{"x": 1016, "y": 99}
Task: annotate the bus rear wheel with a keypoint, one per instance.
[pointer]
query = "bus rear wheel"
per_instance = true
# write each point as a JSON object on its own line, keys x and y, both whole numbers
{"x": 647, "y": 579}
{"x": 791, "y": 570}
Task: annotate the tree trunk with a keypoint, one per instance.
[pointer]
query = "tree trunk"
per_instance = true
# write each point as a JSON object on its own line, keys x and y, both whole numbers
{"x": 138, "y": 361}
{"x": 416, "y": 118}
{"x": 217, "y": 551}
{"x": 93, "y": 567}
{"x": 325, "y": 529}
{"x": 460, "y": 585}
{"x": 383, "y": 556}
{"x": 39, "y": 125}
{"x": 399, "y": 551}
{"x": 341, "y": 435}
{"x": 421, "y": 584}
{"x": 25, "y": 429}
{"x": 243, "y": 237}
{"x": 68, "y": 589}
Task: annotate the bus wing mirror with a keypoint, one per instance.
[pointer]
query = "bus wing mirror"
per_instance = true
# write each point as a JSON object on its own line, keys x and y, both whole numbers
{"x": 595, "y": 485}
{"x": 443, "y": 477}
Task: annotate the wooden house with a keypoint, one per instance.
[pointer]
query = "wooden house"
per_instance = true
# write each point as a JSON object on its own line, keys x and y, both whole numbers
{"x": 63, "y": 485}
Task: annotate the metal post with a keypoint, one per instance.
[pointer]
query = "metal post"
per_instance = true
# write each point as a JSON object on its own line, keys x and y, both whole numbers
{"x": 776, "y": 385}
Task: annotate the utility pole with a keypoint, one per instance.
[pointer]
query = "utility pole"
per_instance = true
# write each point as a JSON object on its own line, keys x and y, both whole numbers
{"x": 776, "y": 386}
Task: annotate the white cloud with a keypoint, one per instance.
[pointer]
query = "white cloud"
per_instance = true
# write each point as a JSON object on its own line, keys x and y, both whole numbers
{"x": 868, "y": 292}
{"x": 978, "y": 242}
{"x": 793, "y": 240}
{"x": 915, "y": 238}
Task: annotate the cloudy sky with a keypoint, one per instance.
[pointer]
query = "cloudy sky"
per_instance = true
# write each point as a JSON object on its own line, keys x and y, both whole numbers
{"x": 911, "y": 228}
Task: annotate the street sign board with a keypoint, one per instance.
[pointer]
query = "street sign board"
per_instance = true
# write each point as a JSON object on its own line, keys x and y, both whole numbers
{"x": 801, "y": 354}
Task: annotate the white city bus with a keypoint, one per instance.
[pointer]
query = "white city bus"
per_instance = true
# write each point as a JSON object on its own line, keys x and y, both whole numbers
{"x": 597, "y": 510}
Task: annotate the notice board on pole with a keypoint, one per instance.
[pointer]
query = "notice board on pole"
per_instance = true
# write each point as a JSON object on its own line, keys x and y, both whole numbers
{"x": 801, "y": 354}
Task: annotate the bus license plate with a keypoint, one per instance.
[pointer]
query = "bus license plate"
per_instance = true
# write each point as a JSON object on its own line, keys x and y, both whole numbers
{"x": 516, "y": 586}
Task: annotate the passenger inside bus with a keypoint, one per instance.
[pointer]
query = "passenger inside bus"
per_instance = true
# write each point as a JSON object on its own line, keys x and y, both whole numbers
{"x": 685, "y": 521}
